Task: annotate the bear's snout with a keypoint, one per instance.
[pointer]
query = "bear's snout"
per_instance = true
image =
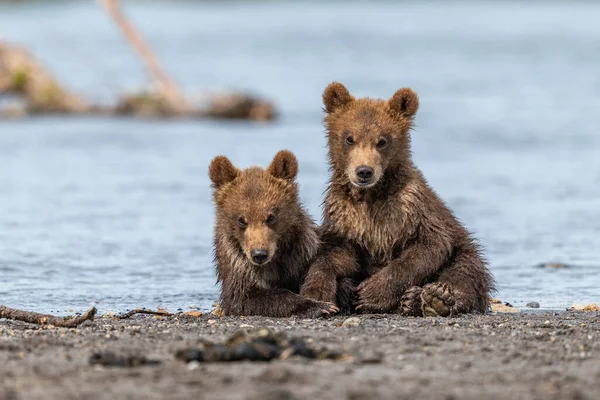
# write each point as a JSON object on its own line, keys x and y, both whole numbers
{"x": 259, "y": 256}
{"x": 365, "y": 174}
{"x": 364, "y": 166}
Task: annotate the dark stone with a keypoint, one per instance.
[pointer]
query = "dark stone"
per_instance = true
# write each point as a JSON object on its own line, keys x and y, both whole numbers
{"x": 110, "y": 359}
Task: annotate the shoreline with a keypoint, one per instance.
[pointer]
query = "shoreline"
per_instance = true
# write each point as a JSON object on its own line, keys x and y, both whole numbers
{"x": 530, "y": 354}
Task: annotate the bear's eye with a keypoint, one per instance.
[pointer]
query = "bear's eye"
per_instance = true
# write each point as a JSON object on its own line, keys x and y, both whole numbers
{"x": 242, "y": 222}
{"x": 381, "y": 144}
{"x": 270, "y": 219}
{"x": 349, "y": 140}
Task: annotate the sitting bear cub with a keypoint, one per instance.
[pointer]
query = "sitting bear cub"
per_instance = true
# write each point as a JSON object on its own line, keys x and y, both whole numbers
{"x": 264, "y": 240}
{"x": 383, "y": 225}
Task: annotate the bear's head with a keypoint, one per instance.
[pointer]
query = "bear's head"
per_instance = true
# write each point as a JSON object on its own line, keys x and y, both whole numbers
{"x": 256, "y": 208}
{"x": 368, "y": 137}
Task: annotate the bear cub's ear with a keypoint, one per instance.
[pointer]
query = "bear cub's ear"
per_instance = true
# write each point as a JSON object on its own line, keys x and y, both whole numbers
{"x": 336, "y": 96}
{"x": 284, "y": 166}
{"x": 404, "y": 102}
{"x": 222, "y": 171}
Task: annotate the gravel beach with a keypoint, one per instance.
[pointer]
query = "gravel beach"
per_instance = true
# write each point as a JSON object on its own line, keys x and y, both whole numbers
{"x": 545, "y": 355}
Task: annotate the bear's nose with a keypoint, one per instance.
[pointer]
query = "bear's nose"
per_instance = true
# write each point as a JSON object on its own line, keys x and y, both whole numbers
{"x": 364, "y": 172}
{"x": 259, "y": 256}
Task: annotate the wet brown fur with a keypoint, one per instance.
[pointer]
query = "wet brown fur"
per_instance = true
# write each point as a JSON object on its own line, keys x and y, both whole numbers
{"x": 397, "y": 234}
{"x": 252, "y": 195}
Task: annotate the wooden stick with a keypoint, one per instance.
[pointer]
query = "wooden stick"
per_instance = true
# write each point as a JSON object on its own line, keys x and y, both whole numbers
{"x": 166, "y": 85}
{"x": 45, "y": 319}
{"x": 128, "y": 314}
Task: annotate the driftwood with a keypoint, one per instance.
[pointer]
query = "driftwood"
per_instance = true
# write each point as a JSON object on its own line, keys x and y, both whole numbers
{"x": 160, "y": 312}
{"x": 22, "y": 75}
{"x": 46, "y": 319}
{"x": 168, "y": 89}
{"x": 129, "y": 314}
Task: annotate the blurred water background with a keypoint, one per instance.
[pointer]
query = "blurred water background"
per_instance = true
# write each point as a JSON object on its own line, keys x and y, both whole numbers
{"x": 116, "y": 212}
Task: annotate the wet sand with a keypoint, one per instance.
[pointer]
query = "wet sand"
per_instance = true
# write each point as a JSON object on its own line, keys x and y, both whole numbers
{"x": 503, "y": 356}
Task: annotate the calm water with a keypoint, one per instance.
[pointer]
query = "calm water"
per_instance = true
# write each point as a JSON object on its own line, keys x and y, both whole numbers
{"x": 117, "y": 212}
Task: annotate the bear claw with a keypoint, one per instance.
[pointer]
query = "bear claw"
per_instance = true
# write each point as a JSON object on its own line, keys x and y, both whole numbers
{"x": 328, "y": 309}
{"x": 318, "y": 309}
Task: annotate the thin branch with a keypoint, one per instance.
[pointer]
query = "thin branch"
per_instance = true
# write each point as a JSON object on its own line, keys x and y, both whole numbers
{"x": 46, "y": 319}
{"x": 166, "y": 85}
{"x": 163, "y": 313}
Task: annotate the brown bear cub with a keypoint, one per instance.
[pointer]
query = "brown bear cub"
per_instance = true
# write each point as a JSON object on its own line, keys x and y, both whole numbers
{"x": 383, "y": 226}
{"x": 264, "y": 240}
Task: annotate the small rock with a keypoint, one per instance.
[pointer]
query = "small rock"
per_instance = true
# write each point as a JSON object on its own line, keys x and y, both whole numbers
{"x": 533, "y": 304}
{"x": 246, "y": 326}
{"x": 192, "y": 365}
{"x": 498, "y": 306}
{"x": 218, "y": 311}
{"x": 352, "y": 321}
{"x": 584, "y": 307}
{"x": 211, "y": 321}
{"x": 195, "y": 314}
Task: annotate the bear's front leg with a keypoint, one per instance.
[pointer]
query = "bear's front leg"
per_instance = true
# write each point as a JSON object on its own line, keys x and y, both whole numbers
{"x": 330, "y": 264}
{"x": 379, "y": 293}
{"x": 277, "y": 302}
{"x": 320, "y": 284}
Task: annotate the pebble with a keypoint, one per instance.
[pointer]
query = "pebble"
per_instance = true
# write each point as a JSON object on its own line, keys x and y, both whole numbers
{"x": 195, "y": 313}
{"x": 192, "y": 365}
{"x": 499, "y": 306}
{"x": 246, "y": 326}
{"x": 533, "y": 304}
{"x": 211, "y": 321}
{"x": 584, "y": 307}
{"x": 352, "y": 321}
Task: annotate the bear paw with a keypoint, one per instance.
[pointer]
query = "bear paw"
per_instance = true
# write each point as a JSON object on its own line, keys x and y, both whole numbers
{"x": 411, "y": 303}
{"x": 320, "y": 288}
{"x": 371, "y": 297}
{"x": 437, "y": 300}
{"x": 319, "y": 309}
